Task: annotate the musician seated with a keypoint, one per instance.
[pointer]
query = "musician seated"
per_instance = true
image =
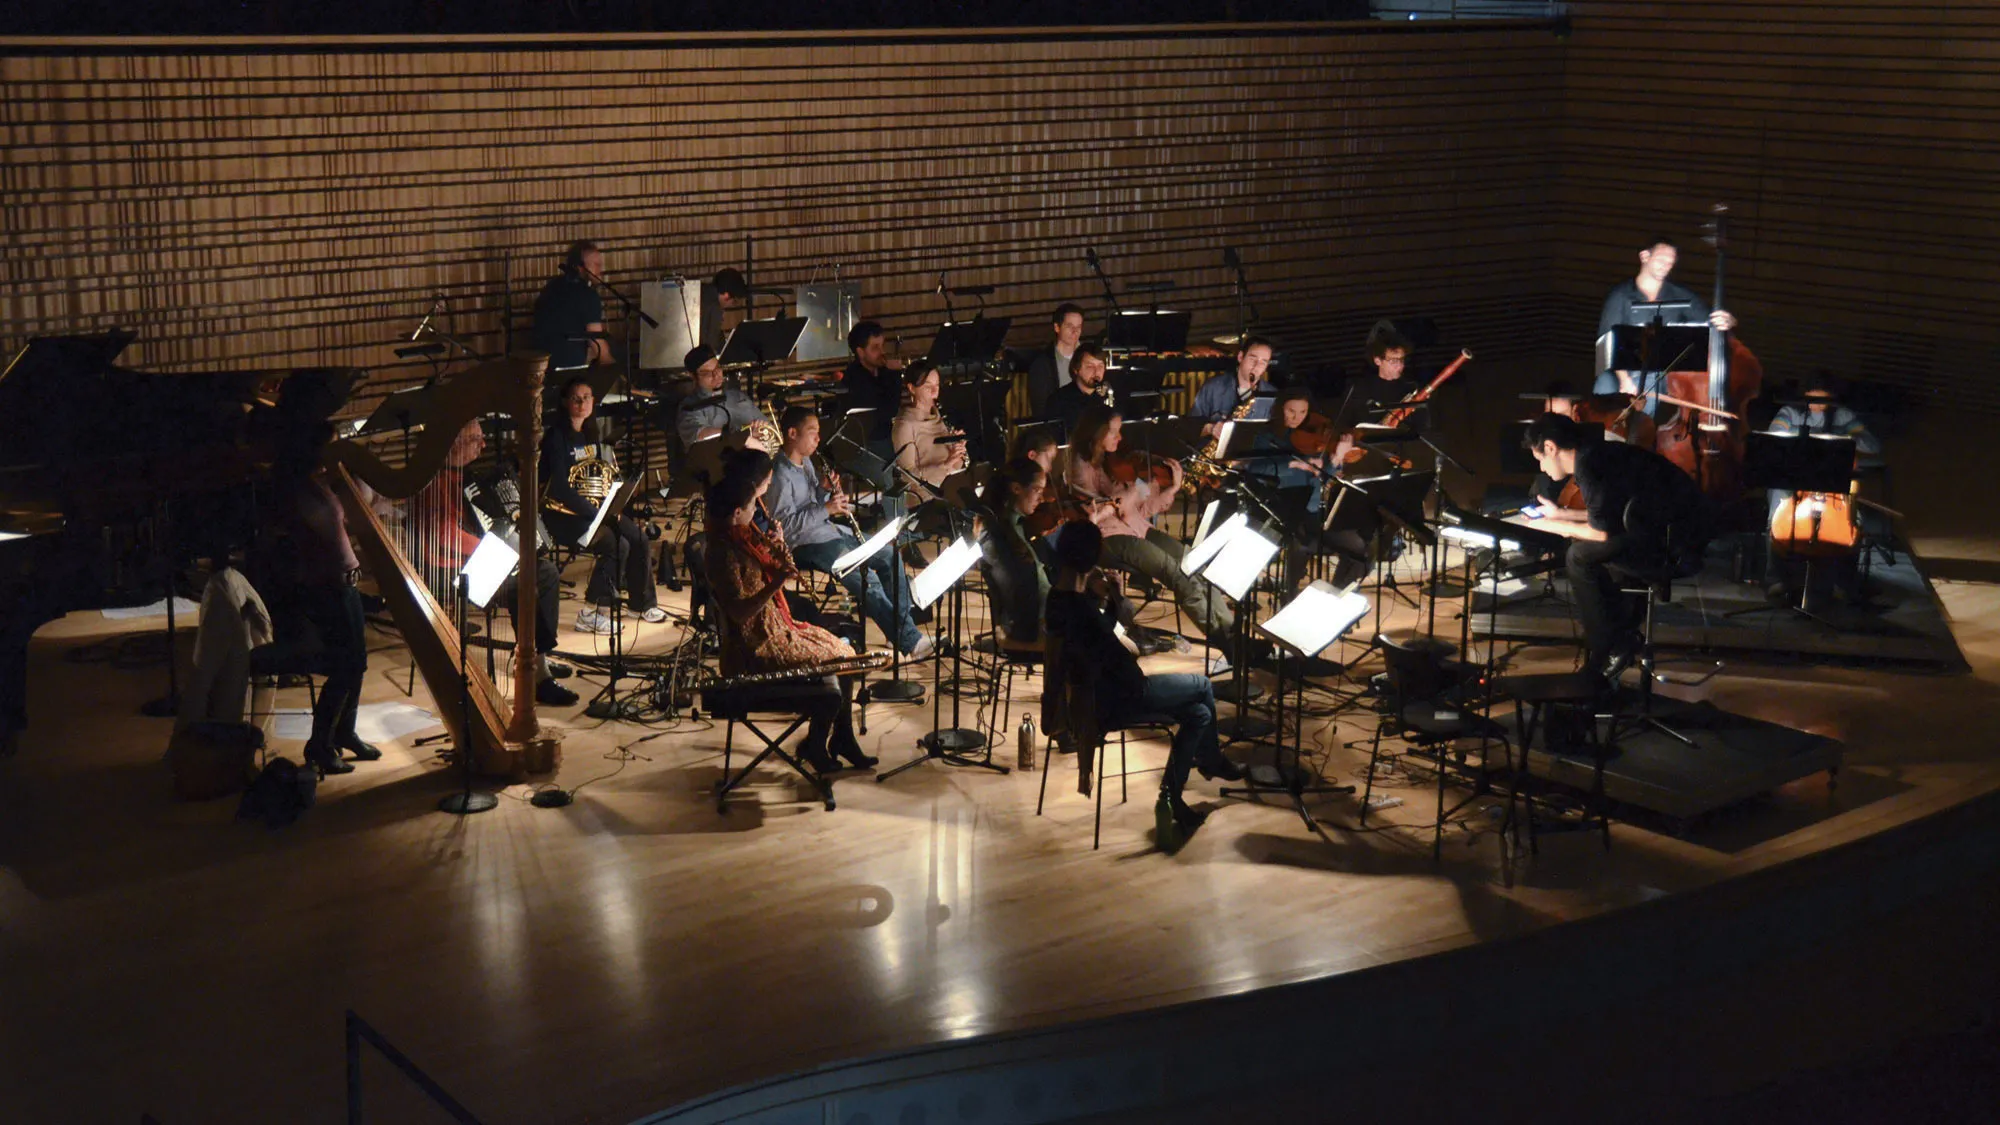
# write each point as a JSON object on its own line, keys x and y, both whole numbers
{"x": 1389, "y": 357}
{"x": 872, "y": 380}
{"x": 1242, "y": 393}
{"x": 1670, "y": 533}
{"x": 805, "y": 507}
{"x": 1078, "y": 614}
{"x": 309, "y": 568}
{"x": 1049, "y": 370}
{"x": 1123, "y": 508}
{"x": 1086, "y": 388}
{"x": 578, "y": 473}
{"x": 712, "y": 408}
{"x": 1300, "y": 480}
{"x": 747, "y": 568}
{"x": 1545, "y": 494}
{"x": 452, "y": 536}
{"x": 918, "y": 428}
{"x": 1820, "y": 413}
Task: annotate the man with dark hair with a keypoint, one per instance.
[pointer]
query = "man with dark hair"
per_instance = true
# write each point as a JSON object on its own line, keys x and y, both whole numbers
{"x": 1656, "y": 261}
{"x": 1048, "y": 372}
{"x": 1223, "y": 395}
{"x": 712, "y": 407}
{"x": 872, "y": 380}
{"x": 727, "y": 292}
{"x": 569, "y": 313}
{"x": 1644, "y": 515}
{"x": 1389, "y": 354}
{"x": 1079, "y": 614}
{"x": 805, "y": 507}
{"x": 1086, "y": 387}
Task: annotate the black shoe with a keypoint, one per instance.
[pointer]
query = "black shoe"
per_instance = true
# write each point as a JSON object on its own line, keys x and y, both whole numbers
{"x": 1083, "y": 774}
{"x": 1624, "y": 650}
{"x": 553, "y": 694}
{"x": 1188, "y": 817}
{"x": 816, "y": 757}
{"x": 1218, "y": 767}
{"x": 560, "y": 671}
{"x": 324, "y": 762}
{"x": 362, "y": 751}
{"x": 849, "y": 751}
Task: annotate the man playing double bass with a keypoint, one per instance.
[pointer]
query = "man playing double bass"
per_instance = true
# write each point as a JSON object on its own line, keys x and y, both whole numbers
{"x": 1656, "y": 262}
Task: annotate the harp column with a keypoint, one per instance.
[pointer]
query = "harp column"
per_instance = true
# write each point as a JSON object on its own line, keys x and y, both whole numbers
{"x": 540, "y": 752}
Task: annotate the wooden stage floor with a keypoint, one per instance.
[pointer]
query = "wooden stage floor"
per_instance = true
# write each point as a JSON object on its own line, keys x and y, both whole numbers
{"x": 597, "y": 962}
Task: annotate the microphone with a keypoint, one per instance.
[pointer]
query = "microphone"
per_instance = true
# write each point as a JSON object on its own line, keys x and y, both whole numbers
{"x": 1090, "y": 255}
{"x": 1229, "y": 258}
{"x": 437, "y": 303}
{"x": 419, "y": 349}
{"x": 940, "y": 284}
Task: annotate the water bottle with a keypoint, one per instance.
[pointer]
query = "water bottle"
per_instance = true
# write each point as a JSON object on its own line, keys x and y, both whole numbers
{"x": 1025, "y": 744}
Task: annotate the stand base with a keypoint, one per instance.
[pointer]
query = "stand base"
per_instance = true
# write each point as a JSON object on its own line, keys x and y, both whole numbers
{"x": 1244, "y": 728}
{"x": 896, "y": 691}
{"x": 551, "y": 799}
{"x": 1283, "y": 781}
{"x": 953, "y": 740}
{"x": 465, "y": 804}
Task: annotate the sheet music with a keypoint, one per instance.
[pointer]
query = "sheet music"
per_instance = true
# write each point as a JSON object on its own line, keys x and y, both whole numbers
{"x": 1316, "y": 618}
{"x": 931, "y": 583}
{"x": 1239, "y": 563}
{"x": 1208, "y": 547}
{"x": 843, "y": 565}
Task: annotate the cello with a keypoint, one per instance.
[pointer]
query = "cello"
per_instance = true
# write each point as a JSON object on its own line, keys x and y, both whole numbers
{"x": 1707, "y": 443}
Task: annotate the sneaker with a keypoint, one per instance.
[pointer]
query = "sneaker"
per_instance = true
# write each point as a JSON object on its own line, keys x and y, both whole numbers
{"x": 926, "y": 647}
{"x": 591, "y": 621}
{"x": 553, "y": 694}
{"x": 653, "y": 616}
{"x": 1218, "y": 665}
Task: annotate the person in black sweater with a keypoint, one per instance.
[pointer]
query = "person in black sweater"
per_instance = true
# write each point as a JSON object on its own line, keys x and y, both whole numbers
{"x": 1644, "y": 516}
{"x": 569, "y": 313}
{"x": 578, "y": 469}
{"x": 1078, "y": 612}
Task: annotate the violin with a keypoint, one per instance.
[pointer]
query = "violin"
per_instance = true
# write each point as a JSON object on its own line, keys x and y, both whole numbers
{"x": 1127, "y": 466}
{"x": 1314, "y": 436}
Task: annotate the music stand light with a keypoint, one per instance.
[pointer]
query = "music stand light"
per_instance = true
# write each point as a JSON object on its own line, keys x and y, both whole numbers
{"x": 490, "y": 565}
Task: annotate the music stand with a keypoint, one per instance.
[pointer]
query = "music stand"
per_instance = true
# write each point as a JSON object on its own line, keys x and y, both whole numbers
{"x": 969, "y": 341}
{"x": 895, "y": 689}
{"x": 1157, "y": 330}
{"x": 1320, "y": 615}
{"x": 1137, "y": 390}
{"x": 1230, "y": 559}
{"x": 1652, "y": 350}
{"x": 1801, "y": 464}
{"x": 606, "y": 705}
{"x": 951, "y": 745}
{"x": 758, "y": 344}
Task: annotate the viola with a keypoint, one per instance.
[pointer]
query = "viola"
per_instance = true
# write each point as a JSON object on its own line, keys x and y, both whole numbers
{"x": 1314, "y": 436}
{"x": 1127, "y": 466}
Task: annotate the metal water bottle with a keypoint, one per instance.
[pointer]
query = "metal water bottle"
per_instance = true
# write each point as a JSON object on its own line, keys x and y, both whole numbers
{"x": 1025, "y": 743}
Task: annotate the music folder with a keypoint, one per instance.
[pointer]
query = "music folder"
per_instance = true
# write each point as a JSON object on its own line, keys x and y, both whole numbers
{"x": 607, "y": 512}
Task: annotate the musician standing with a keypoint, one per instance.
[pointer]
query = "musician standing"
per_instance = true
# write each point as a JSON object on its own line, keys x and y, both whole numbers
{"x": 1656, "y": 262}
{"x": 727, "y": 292}
{"x": 1048, "y": 371}
{"x": 714, "y": 407}
{"x": 805, "y": 507}
{"x": 1078, "y": 614}
{"x": 1086, "y": 387}
{"x": 569, "y": 313}
{"x": 1123, "y": 511}
{"x": 314, "y": 569}
{"x": 748, "y": 566}
{"x": 1643, "y": 515}
{"x": 918, "y": 428}
{"x": 579, "y": 470}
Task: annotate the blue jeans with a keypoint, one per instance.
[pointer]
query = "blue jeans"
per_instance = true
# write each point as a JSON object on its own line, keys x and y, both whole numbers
{"x": 868, "y": 584}
{"x": 1189, "y": 699}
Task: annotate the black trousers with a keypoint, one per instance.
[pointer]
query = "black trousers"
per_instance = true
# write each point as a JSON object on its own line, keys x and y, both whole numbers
{"x": 548, "y": 607}
{"x": 1596, "y": 571}
{"x": 334, "y": 611}
{"x": 622, "y": 553}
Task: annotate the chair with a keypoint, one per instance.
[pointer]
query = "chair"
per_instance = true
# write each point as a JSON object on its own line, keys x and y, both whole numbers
{"x": 1069, "y": 707}
{"x": 1425, "y": 704}
{"x": 1563, "y": 705}
{"x": 745, "y": 705}
{"x": 1012, "y": 657}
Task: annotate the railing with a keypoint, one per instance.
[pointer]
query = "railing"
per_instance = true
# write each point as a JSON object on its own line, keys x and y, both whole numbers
{"x": 1466, "y": 9}
{"x": 358, "y": 1030}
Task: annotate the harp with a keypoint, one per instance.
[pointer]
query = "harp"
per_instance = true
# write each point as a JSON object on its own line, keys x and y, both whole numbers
{"x": 417, "y": 578}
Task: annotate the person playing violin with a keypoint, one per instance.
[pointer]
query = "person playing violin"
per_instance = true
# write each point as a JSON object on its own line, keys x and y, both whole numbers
{"x": 1123, "y": 505}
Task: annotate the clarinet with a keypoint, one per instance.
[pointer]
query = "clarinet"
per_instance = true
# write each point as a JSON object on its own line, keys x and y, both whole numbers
{"x": 853, "y": 525}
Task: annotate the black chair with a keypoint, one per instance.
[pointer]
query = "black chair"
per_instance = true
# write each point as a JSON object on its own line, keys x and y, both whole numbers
{"x": 1427, "y": 701}
{"x": 1069, "y": 709}
{"x": 1651, "y": 577}
{"x": 1563, "y": 707}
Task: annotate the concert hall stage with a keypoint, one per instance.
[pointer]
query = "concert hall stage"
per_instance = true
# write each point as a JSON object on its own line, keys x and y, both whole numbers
{"x": 1902, "y": 624}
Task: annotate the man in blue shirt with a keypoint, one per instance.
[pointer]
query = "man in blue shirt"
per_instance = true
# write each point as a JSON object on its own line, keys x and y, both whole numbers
{"x": 806, "y": 509}
{"x": 712, "y": 408}
{"x": 1220, "y": 397}
{"x": 569, "y": 313}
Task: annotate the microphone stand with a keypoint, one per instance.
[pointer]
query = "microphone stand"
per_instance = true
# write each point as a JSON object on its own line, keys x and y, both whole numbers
{"x": 633, "y": 315}
{"x": 1243, "y": 300}
{"x": 1098, "y": 268}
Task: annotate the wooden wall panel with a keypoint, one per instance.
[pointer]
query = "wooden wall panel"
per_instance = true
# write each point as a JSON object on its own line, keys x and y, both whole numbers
{"x": 282, "y": 206}
{"x": 1858, "y": 145}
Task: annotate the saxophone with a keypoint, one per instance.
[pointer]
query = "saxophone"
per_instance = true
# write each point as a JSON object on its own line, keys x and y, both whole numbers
{"x": 1203, "y": 470}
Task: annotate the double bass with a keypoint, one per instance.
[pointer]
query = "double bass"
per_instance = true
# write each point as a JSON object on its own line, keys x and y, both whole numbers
{"x": 1708, "y": 443}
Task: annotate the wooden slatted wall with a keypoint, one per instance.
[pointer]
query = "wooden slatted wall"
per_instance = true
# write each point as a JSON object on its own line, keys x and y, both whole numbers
{"x": 278, "y": 205}
{"x": 1858, "y": 145}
